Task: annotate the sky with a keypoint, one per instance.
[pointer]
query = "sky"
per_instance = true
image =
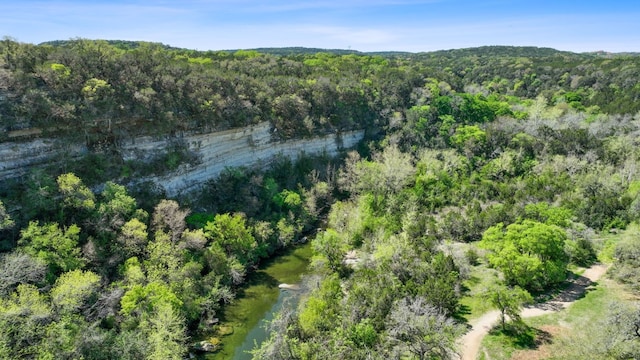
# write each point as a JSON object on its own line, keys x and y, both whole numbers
{"x": 364, "y": 25}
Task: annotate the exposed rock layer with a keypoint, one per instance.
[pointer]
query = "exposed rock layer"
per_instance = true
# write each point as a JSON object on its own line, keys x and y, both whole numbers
{"x": 249, "y": 146}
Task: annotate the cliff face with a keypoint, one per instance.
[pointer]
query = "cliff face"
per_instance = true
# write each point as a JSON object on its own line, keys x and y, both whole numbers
{"x": 250, "y": 146}
{"x": 17, "y": 157}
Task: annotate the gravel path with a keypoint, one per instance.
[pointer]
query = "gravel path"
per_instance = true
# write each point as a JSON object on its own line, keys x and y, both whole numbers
{"x": 470, "y": 342}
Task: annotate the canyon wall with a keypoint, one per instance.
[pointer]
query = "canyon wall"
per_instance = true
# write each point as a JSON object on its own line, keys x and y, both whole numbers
{"x": 252, "y": 146}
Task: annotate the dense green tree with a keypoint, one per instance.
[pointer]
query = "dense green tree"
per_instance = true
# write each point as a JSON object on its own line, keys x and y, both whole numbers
{"x": 529, "y": 254}
{"x": 232, "y": 234}
{"x": 164, "y": 258}
{"x": 57, "y": 247}
{"x": 73, "y": 289}
{"x": 62, "y": 338}
{"x": 332, "y": 248}
{"x": 22, "y": 317}
{"x": 133, "y": 237}
{"x": 116, "y": 206}
{"x": 142, "y": 301}
{"x": 321, "y": 309}
{"x": 75, "y": 194}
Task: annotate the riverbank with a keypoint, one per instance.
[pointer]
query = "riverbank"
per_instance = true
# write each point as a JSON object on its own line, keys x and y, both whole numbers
{"x": 242, "y": 322}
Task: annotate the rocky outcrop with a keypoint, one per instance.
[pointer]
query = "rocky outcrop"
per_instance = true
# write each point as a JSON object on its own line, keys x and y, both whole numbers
{"x": 251, "y": 146}
{"x": 205, "y": 346}
{"x": 17, "y": 157}
{"x": 292, "y": 287}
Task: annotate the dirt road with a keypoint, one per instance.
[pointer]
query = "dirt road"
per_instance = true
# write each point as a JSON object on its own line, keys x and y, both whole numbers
{"x": 470, "y": 342}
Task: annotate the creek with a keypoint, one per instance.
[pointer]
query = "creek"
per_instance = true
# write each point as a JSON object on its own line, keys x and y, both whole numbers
{"x": 242, "y": 322}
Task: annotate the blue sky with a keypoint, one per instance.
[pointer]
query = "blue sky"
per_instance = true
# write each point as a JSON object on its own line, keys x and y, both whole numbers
{"x": 365, "y": 25}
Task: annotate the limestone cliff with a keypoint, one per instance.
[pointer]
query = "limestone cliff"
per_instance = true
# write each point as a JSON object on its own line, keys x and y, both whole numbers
{"x": 249, "y": 146}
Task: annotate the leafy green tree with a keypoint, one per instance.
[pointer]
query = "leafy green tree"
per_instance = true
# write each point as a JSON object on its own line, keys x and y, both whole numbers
{"x": 164, "y": 258}
{"x": 63, "y": 338}
{"x": 232, "y": 234}
{"x": 6, "y": 222}
{"x": 332, "y": 248}
{"x": 142, "y": 300}
{"x": 551, "y": 215}
{"x": 363, "y": 334}
{"x": 55, "y": 246}
{"x": 529, "y": 254}
{"x": 99, "y": 100}
{"x": 132, "y": 273}
{"x": 166, "y": 334}
{"x": 321, "y": 309}
{"x": 75, "y": 194}
{"x": 116, "y": 207}
{"x": 22, "y": 316}
{"x": 133, "y": 237}
{"x": 469, "y": 139}
{"x": 509, "y": 301}
{"x": 73, "y": 289}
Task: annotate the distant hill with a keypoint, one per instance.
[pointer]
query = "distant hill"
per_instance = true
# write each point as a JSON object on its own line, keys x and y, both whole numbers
{"x": 285, "y": 51}
{"x": 485, "y": 51}
{"x": 120, "y": 44}
{"x": 498, "y": 51}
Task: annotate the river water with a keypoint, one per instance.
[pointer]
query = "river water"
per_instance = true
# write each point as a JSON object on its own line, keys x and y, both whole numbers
{"x": 259, "y": 300}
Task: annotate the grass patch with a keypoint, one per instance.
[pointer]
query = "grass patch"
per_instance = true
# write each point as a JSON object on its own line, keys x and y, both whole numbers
{"x": 605, "y": 245}
{"x": 503, "y": 343}
{"x": 474, "y": 303}
{"x": 584, "y": 311}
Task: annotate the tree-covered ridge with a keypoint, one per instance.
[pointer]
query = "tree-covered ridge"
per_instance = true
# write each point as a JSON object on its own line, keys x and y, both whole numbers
{"x": 105, "y": 89}
{"x": 111, "y": 88}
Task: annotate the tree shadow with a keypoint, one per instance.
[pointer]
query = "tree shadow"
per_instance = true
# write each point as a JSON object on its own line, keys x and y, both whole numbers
{"x": 521, "y": 336}
{"x": 461, "y": 313}
{"x": 571, "y": 290}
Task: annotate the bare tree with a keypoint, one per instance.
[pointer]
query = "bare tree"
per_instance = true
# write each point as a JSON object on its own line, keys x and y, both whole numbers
{"x": 168, "y": 216}
{"x": 422, "y": 330}
{"x": 19, "y": 268}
